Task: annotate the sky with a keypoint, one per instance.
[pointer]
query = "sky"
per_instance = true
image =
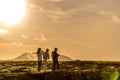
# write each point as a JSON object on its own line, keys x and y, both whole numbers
{"x": 80, "y": 29}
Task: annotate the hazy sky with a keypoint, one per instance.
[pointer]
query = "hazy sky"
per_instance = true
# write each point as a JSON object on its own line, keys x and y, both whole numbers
{"x": 81, "y": 29}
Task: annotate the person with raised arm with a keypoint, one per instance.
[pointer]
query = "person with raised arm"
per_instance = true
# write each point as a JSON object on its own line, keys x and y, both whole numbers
{"x": 39, "y": 55}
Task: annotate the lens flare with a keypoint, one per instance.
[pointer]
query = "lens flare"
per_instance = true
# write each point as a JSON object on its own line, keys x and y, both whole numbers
{"x": 110, "y": 73}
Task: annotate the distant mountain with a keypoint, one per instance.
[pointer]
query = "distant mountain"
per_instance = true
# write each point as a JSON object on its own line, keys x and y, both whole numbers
{"x": 26, "y": 57}
{"x": 33, "y": 57}
{"x": 64, "y": 58}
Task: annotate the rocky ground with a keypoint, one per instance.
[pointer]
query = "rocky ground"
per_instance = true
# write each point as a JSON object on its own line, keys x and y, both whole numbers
{"x": 58, "y": 75}
{"x": 72, "y": 70}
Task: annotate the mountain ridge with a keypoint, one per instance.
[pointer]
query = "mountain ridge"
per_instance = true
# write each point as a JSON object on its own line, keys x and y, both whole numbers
{"x": 33, "y": 57}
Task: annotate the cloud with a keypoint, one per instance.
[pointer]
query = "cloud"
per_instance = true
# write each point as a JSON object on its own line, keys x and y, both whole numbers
{"x": 56, "y": 11}
{"x": 54, "y": 0}
{"x": 103, "y": 12}
{"x": 115, "y": 19}
{"x": 40, "y": 37}
{"x": 58, "y": 15}
{"x": 33, "y": 6}
{"x": 38, "y": 8}
{"x": 17, "y": 43}
{"x": 41, "y": 10}
{"x": 4, "y": 32}
{"x": 65, "y": 12}
{"x": 110, "y": 16}
{"x": 24, "y": 36}
{"x": 43, "y": 37}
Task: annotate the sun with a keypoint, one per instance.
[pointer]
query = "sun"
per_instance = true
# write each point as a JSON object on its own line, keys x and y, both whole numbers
{"x": 12, "y": 11}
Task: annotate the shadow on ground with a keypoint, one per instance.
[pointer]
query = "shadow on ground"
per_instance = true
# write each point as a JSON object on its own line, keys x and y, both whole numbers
{"x": 58, "y": 75}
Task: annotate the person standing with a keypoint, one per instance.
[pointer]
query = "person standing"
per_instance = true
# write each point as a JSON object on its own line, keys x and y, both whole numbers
{"x": 39, "y": 54}
{"x": 45, "y": 57}
{"x": 55, "y": 56}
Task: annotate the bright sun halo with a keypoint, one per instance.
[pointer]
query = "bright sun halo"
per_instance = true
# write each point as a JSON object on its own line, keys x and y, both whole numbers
{"x": 11, "y": 11}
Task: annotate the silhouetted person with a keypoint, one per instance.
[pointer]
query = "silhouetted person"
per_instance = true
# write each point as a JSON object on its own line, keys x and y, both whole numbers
{"x": 39, "y": 54}
{"x": 45, "y": 57}
{"x": 55, "y": 59}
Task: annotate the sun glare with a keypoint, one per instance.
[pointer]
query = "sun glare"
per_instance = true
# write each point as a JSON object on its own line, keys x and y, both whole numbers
{"x": 11, "y": 11}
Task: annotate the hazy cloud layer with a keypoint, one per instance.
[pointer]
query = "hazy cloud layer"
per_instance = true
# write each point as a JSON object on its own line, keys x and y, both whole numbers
{"x": 83, "y": 29}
